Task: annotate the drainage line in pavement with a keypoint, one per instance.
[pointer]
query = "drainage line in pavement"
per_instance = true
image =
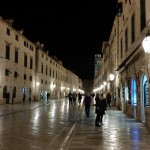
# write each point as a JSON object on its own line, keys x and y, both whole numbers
{"x": 68, "y": 136}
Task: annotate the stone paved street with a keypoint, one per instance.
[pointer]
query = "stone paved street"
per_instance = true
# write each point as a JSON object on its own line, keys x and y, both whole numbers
{"x": 54, "y": 125}
{"x": 118, "y": 132}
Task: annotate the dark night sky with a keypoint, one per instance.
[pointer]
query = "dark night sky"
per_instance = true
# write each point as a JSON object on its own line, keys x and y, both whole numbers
{"x": 71, "y": 30}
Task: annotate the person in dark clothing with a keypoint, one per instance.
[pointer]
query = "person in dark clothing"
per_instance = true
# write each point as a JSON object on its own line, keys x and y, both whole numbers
{"x": 70, "y": 98}
{"x": 87, "y": 103}
{"x": 13, "y": 96}
{"x": 74, "y": 97}
{"x": 108, "y": 98}
{"x": 79, "y": 98}
{"x": 48, "y": 95}
{"x": 7, "y": 97}
{"x": 93, "y": 95}
{"x": 100, "y": 109}
{"x": 24, "y": 97}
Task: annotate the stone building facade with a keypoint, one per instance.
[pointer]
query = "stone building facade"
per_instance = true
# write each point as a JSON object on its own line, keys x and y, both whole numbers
{"x": 27, "y": 72}
{"x": 127, "y": 60}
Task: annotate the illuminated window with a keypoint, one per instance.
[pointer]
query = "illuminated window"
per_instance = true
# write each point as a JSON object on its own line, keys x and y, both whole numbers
{"x": 133, "y": 92}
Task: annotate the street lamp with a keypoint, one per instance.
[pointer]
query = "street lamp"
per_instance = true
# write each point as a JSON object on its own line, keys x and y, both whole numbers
{"x": 111, "y": 76}
{"x": 146, "y": 47}
{"x": 105, "y": 83}
{"x": 146, "y": 43}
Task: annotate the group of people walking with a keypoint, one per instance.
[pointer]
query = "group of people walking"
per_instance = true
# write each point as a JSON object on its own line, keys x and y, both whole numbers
{"x": 102, "y": 102}
{"x": 73, "y": 97}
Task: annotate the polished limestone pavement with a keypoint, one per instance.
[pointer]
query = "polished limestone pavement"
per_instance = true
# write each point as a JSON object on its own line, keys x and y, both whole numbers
{"x": 73, "y": 132}
{"x": 118, "y": 132}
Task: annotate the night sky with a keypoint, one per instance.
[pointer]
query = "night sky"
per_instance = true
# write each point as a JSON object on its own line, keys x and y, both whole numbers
{"x": 72, "y": 31}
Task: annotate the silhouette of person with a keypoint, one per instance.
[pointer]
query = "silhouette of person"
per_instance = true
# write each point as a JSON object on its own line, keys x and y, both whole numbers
{"x": 108, "y": 98}
{"x": 87, "y": 103}
{"x": 79, "y": 98}
{"x": 100, "y": 109}
{"x": 70, "y": 97}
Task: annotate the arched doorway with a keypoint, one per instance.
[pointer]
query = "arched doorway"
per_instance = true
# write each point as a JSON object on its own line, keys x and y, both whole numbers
{"x": 5, "y": 91}
{"x": 144, "y": 96}
{"x": 134, "y": 96}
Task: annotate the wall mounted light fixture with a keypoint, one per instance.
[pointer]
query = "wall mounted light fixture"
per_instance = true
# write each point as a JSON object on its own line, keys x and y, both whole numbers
{"x": 146, "y": 43}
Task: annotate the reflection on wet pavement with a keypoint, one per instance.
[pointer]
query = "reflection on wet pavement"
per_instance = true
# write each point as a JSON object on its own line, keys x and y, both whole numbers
{"x": 119, "y": 132}
{"x": 56, "y": 125}
{"x": 37, "y": 127}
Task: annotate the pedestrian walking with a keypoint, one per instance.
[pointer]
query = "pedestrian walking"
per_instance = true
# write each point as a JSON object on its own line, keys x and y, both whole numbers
{"x": 70, "y": 98}
{"x": 48, "y": 95}
{"x": 13, "y": 94}
{"x": 87, "y": 104}
{"x": 74, "y": 97}
{"x": 108, "y": 98}
{"x": 79, "y": 97}
{"x": 7, "y": 97}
